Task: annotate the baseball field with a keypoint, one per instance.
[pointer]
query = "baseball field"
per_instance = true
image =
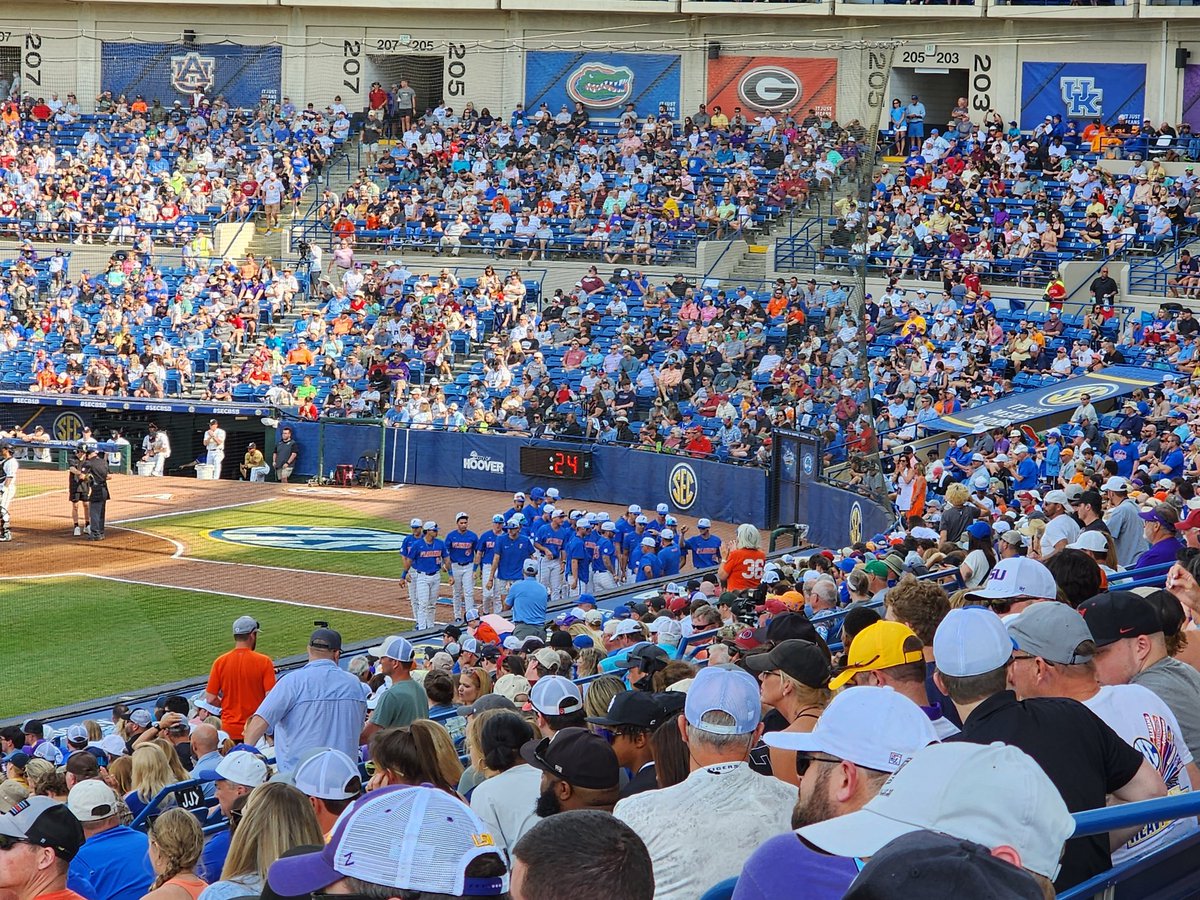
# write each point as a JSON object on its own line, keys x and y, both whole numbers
{"x": 183, "y": 558}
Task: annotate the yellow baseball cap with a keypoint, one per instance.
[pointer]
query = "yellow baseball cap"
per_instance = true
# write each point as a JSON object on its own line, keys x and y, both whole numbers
{"x": 878, "y": 646}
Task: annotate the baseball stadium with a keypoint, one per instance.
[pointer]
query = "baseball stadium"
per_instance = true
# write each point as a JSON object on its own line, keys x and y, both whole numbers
{"x": 520, "y": 429}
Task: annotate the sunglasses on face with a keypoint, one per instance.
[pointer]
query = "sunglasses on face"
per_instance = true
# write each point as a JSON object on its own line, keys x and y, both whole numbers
{"x": 804, "y": 760}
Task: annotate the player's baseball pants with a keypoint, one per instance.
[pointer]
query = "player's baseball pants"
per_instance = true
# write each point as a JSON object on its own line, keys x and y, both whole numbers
{"x": 160, "y": 463}
{"x": 214, "y": 459}
{"x": 488, "y": 599}
{"x": 6, "y": 497}
{"x": 462, "y": 584}
{"x": 501, "y": 592}
{"x": 603, "y": 581}
{"x": 550, "y": 576}
{"x": 424, "y": 597}
{"x": 259, "y": 473}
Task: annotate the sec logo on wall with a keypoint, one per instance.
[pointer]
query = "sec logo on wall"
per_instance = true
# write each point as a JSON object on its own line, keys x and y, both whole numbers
{"x": 683, "y": 486}
{"x": 319, "y": 538}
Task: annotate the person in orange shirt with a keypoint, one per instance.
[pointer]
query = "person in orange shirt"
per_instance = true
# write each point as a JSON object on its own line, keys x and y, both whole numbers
{"x": 776, "y": 305}
{"x": 300, "y": 355}
{"x": 743, "y": 567}
{"x": 139, "y": 105}
{"x": 47, "y": 379}
{"x": 240, "y": 679}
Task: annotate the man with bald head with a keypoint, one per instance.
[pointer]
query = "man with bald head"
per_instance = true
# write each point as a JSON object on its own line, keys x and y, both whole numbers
{"x": 205, "y": 741}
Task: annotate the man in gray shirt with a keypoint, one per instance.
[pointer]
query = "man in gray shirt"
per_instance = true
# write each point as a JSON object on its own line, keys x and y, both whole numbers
{"x": 1123, "y": 521}
{"x": 1131, "y": 648}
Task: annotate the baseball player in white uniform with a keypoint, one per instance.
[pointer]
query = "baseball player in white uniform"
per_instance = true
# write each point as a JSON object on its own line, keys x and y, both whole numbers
{"x": 8, "y": 489}
{"x": 214, "y": 443}
{"x": 428, "y": 559}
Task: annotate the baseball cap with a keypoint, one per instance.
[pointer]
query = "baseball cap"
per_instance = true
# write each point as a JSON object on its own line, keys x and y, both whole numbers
{"x": 432, "y": 839}
{"x": 487, "y": 701}
{"x": 662, "y": 509}
{"x": 1164, "y": 514}
{"x": 77, "y": 734}
{"x": 514, "y": 522}
{"x": 728, "y": 690}
{"x": 881, "y": 645}
{"x": 414, "y": 523}
{"x": 1059, "y": 497}
{"x": 1018, "y": 576}
{"x": 639, "y": 656}
{"x": 1052, "y": 631}
{"x": 878, "y": 568}
{"x": 640, "y": 709}
{"x": 328, "y": 774}
{"x": 1093, "y": 541}
{"x": 703, "y": 523}
{"x": 873, "y": 727}
{"x": 993, "y": 794}
{"x": 634, "y": 508}
{"x": 458, "y": 517}
{"x": 44, "y": 823}
{"x": 246, "y": 625}
{"x": 576, "y": 756}
{"x": 801, "y": 660}
{"x": 530, "y": 566}
{"x": 92, "y": 800}
{"x": 498, "y": 519}
{"x": 1114, "y": 615}
{"x": 325, "y": 639}
{"x": 554, "y": 695}
{"x": 979, "y": 530}
{"x": 141, "y": 717}
{"x": 430, "y": 525}
{"x": 1116, "y": 483}
{"x": 519, "y": 495}
{"x": 242, "y": 767}
{"x": 936, "y": 866}
{"x": 394, "y": 647}
{"x": 626, "y": 626}
{"x": 970, "y": 641}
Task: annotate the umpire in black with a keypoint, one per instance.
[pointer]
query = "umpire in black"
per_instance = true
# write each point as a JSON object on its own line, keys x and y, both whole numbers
{"x": 95, "y": 467}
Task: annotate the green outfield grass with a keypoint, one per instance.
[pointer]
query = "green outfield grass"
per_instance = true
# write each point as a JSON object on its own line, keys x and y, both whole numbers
{"x": 73, "y": 639}
{"x": 192, "y": 530}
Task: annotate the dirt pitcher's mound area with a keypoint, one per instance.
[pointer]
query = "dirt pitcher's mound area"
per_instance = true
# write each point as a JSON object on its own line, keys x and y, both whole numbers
{"x": 43, "y": 543}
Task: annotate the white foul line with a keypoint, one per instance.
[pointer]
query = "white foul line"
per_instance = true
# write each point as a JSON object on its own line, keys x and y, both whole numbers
{"x": 177, "y": 587}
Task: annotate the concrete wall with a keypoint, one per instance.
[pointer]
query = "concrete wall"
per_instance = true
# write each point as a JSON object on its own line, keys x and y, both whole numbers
{"x": 338, "y": 50}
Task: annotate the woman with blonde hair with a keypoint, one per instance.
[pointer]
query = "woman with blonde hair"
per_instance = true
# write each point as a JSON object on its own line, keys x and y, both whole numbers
{"x": 120, "y": 775}
{"x": 473, "y": 683}
{"x": 599, "y": 693}
{"x": 277, "y": 818}
{"x": 150, "y": 774}
{"x": 176, "y": 842}
{"x": 413, "y": 755}
{"x": 178, "y": 772}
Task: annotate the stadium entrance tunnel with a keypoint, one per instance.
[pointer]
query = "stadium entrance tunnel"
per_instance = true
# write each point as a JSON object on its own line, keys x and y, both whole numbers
{"x": 425, "y": 75}
{"x": 938, "y": 86}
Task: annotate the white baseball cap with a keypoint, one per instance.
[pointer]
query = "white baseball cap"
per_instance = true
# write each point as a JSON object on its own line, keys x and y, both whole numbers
{"x": 430, "y": 526}
{"x": 328, "y": 774}
{"x": 992, "y": 794}
{"x": 1059, "y": 497}
{"x": 970, "y": 641}
{"x": 414, "y": 523}
{"x": 872, "y": 727}
{"x": 243, "y": 767}
{"x": 529, "y": 567}
{"x": 460, "y": 516}
{"x": 608, "y": 526}
{"x": 519, "y": 495}
{"x": 552, "y": 493}
{"x": 92, "y": 800}
{"x": 667, "y": 534}
{"x": 1093, "y": 541}
{"x": 626, "y": 626}
{"x": 662, "y": 508}
{"x": 634, "y": 508}
{"x": 673, "y": 587}
{"x": 1116, "y": 483}
{"x": 1018, "y": 576}
{"x": 432, "y": 839}
{"x": 554, "y": 695}
{"x": 648, "y": 541}
{"x": 393, "y": 647}
{"x": 667, "y": 627}
{"x": 703, "y": 523}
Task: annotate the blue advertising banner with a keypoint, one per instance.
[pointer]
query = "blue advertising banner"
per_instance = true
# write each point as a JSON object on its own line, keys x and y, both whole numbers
{"x": 1112, "y": 92}
{"x": 243, "y": 75}
{"x": 493, "y": 463}
{"x": 1028, "y": 406}
{"x": 603, "y": 82}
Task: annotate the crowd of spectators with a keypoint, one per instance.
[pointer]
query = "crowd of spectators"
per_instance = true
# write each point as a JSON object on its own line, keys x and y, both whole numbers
{"x": 540, "y": 182}
{"x": 831, "y": 708}
{"x": 990, "y": 201}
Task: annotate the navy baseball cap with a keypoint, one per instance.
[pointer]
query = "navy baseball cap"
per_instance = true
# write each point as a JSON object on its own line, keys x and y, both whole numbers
{"x": 325, "y": 639}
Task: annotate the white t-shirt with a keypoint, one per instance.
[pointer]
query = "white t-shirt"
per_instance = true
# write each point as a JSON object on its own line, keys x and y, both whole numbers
{"x": 977, "y": 562}
{"x": 1145, "y": 722}
{"x": 1057, "y": 529}
{"x": 507, "y": 804}
{"x": 731, "y": 799}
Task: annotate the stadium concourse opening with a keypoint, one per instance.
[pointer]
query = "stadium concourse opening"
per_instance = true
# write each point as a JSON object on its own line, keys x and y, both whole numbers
{"x": 424, "y": 74}
{"x": 939, "y": 82}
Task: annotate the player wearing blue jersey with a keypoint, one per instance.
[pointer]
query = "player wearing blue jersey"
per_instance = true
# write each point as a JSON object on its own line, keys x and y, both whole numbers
{"x": 704, "y": 548}
{"x": 604, "y": 566}
{"x": 645, "y": 562}
{"x": 512, "y": 549}
{"x": 631, "y": 545}
{"x": 579, "y": 559}
{"x": 460, "y": 545}
{"x": 405, "y": 546}
{"x": 427, "y": 560}
{"x": 550, "y": 541}
{"x": 625, "y": 525}
{"x": 484, "y": 553}
{"x": 669, "y": 556}
{"x": 659, "y": 522}
{"x": 517, "y": 507}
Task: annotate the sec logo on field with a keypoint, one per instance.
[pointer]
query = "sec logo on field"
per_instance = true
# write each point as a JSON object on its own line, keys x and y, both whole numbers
{"x": 684, "y": 486}
{"x": 770, "y": 89}
{"x": 311, "y": 537}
